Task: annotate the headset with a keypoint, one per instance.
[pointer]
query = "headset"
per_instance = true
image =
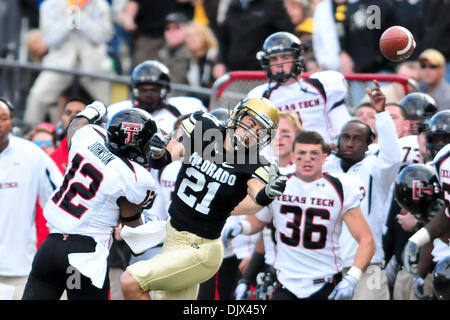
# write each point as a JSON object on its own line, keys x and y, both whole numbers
{"x": 370, "y": 137}
{"x": 8, "y": 104}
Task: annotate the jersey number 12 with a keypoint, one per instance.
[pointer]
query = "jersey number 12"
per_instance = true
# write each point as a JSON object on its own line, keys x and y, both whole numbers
{"x": 77, "y": 188}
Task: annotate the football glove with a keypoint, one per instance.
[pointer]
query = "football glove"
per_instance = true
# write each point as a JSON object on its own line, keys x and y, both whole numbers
{"x": 418, "y": 289}
{"x": 391, "y": 271}
{"x": 94, "y": 112}
{"x": 410, "y": 257}
{"x": 241, "y": 291}
{"x": 345, "y": 288}
{"x": 229, "y": 232}
{"x": 277, "y": 183}
{"x": 158, "y": 144}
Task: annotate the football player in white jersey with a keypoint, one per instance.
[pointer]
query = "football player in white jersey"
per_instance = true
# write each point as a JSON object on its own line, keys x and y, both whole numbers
{"x": 105, "y": 182}
{"x": 377, "y": 171}
{"x": 150, "y": 84}
{"x": 318, "y": 100}
{"x": 308, "y": 219}
{"x": 438, "y": 144}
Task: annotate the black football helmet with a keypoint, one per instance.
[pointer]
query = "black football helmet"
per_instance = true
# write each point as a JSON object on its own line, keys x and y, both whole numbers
{"x": 419, "y": 105}
{"x": 438, "y": 134}
{"x": 220, "y": 114}
{"x": 278, "y": 43}
{"x": 129, "y": 132}
{"x": 417, "y": 189}
{"x": 441, "y": 279}
{"x": 150, "y": 72}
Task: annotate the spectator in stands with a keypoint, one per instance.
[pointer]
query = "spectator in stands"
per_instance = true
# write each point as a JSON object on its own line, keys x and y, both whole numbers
{"x": 28, "y": 173}
{"x": 203, "y": 48}
{"x": 174, "y": 53}
{"x": 362, "y": 35}
{"x": 146, "y": 21}
{"x": 433, "y": 65}
{"x": 298, "y": 11}
{"x": 328, "y": 34}
{"x": 238, "y": 44}
{"x": 77, "y": 37}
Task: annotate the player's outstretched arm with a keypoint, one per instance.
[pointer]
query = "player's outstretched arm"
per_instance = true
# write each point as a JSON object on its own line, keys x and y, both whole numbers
{"x": 91, "y": 113}
{"x": 164, "y": 150}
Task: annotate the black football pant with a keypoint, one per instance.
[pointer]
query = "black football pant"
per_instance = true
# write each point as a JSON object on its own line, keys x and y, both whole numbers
{"x": 281, "y": 293}
{"x": 225, "y": 279}
{"x": 51, "y": 273}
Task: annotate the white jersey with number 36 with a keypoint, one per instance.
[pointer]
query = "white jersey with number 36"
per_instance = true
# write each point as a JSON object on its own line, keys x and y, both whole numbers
{"x": 86, "y": 202}
{"x": 308, "y": 220}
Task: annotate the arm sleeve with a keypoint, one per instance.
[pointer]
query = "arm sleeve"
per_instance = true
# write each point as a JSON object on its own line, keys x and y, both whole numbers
{"x": 336, "y": 89}
{"x": 353, "y": 191}
{"x": 389, "y": 159}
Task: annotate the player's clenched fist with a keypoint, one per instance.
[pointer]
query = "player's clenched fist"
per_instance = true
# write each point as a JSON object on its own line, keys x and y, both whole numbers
{"x": 158, "y": 144}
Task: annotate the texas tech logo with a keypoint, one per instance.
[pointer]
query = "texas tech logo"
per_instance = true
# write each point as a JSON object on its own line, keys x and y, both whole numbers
{"x": 419, "y": 190}
{"x": 132, "y": 130}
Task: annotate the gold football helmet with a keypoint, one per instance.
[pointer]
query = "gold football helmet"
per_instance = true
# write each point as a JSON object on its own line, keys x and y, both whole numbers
{"x": 261, "y": 110}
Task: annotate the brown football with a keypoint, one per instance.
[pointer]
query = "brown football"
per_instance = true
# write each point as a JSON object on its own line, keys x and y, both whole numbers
{"x": 397, "y": 43}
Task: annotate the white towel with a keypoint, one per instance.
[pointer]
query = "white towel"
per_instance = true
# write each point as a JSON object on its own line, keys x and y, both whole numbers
{"x": 145, "y": 236}
{"x": 92, "y": 264}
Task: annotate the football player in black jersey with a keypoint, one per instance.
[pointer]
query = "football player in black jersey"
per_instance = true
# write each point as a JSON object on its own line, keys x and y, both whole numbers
{"x": 221, "y": 167}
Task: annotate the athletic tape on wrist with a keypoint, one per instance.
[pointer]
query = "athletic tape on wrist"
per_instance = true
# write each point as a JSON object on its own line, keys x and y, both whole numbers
{"x": 246, "y": 227}
{"x": 355, "y": 272}
{"x": 420, "y": 237}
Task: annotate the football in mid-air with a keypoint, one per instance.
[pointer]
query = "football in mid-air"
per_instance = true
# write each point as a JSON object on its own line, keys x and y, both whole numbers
{"x": 397, "y": 44}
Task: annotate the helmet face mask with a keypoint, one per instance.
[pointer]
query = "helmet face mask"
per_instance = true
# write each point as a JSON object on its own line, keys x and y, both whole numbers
{"x": 282, "y": 43}
{"x": 261, "y": 113}
{"x": 129, "y": 132}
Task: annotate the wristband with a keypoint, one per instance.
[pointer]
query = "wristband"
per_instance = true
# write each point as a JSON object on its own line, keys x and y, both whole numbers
{"x": 246, "y": 227}
{"x": 355, "y": 272}
{"x": 262, "y": 198}
{"x": 420, "y": 237}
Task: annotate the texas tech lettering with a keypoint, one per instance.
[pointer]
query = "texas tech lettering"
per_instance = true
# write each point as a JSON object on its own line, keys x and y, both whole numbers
{"x": 300, "y": 105}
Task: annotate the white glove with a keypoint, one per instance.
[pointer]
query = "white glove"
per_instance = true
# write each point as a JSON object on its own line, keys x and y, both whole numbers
{"x": 94, "y": 112}
{"x": 345, "y": 289}
{"x": 418, "y": 289}
{"x": 277, "y": 183}
{"x": 229, "y": 232}
{"x": 241, "y": 291}
{"x": 158, "y": 144}
{"x": 410, "y": 257}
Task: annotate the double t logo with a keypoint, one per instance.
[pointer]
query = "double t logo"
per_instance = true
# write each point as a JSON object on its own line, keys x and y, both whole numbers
{"x": 131, "y": 129}
{"x": 419, "y": 189}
